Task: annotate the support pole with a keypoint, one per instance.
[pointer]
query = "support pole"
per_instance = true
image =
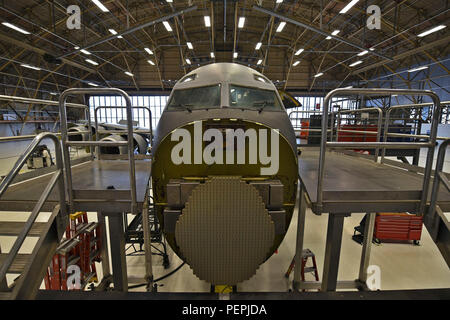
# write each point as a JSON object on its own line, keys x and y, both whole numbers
{"x": 332, "y": 251}
{"x": 300, "y": 236}
{"x": 147, "y": 244}
{"x": 117, "y": 241}
{"x": 367, "y": 246}
{"x": 104, "y": 250}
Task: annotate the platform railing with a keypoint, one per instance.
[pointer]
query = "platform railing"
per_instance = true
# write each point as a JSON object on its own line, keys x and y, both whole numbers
{"x": 150, "y": 130}
{"x": 387, "y": 121}
{"x": 66, "y": 143}
{"x": 299, "y": 118}
{"x": 363, "y": 110}
{"x": 41, "y": 102}
{"x": 56, "y": 179}
{"x": 437, "y": 224}
{"x": 324, "y": 144}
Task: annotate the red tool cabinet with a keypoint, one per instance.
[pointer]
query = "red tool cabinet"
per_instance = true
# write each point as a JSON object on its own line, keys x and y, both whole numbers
{"x": 398, "y": 226}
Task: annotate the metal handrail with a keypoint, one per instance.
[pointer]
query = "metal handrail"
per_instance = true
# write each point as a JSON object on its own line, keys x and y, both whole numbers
{"x": 406, "y": 106}
{"x": 66, "y": 143}
{"x": 439, "y": 177}
{"x": 57, "y": 177}
{"x": 150, "y": 131}
{"x": 38, "y": 101}
{"x": 379, "y": 122}
{"x": 383, "y": 145}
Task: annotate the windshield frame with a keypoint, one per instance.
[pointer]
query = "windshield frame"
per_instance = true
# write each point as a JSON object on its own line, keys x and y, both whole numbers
{"x": 173, "y": 108}
{"x": 275, "y": 92}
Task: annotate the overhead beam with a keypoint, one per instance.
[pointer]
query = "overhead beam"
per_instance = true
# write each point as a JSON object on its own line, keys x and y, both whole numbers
{"x": 314, "y": 29}
{"x": 133, "y": 29}
{"x": 42, "y": 52}
{"x": 405, "y": 54}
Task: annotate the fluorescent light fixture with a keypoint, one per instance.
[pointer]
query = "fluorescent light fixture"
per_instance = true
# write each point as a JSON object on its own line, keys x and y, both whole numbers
{"x": 10, "y": 25}
{"x": 279, "y": 1}
{"x": 169, "y": 1}
{"x": 296, "y": 63}
{"x": 76, "y": 48}
{"x": 167, "y": 25}
{"x": 235, "y": 55}
{"x": 100, "y": 5}
{"x": 356, "y": 63}
{"x": 363, "y": 53}
{"x": 190, "y": 46}
{"x": 212, "y": 54}
{"x": 318, "y": 75}
{"x": 148, "y": 50}
{"x": 29, "y": 66}
{"x": 258, "y": 45}
{"x": 114, "y": 32}
{"x": 92, "y": 62}
{"x": 151, "y": 62}
{"x": 335, "y": 32}
{"x": 349, "y": 6}
{"x": 188, "y": 61}
{"x": 418, "y": 69}
{"x": 92, "y": 84}
{"x": 241, "y": 22}
{"x": 129, "y": 74}
{"x": 259, "y": 62}
{"x": 423, "y": 34}
{"x": 281, "y": 26}
{"x": 53, "y": 93}
{"x": 299, "y": 51}
{"x": 372, "y": 49}
{"x": 85, "y": 51}
{"x": 207, "y": 21}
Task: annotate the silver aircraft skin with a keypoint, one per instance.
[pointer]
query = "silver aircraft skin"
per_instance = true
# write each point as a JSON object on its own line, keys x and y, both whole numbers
{"x": 224, "y": 74}
{"x": 224, "y": 96}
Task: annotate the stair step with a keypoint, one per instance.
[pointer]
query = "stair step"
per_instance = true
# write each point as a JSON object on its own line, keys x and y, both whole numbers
{"x": 10, "y": 228}
{"x": 18, "y": 264}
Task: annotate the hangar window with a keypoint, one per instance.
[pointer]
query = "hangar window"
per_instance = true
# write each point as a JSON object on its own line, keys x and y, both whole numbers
{"x": 253, "y": 98}
{"x": 195, "y": 98}
{"x": 115, "y": 115}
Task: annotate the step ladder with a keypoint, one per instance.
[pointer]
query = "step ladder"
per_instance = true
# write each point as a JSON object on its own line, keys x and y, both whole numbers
{"x": 306, "y": 253}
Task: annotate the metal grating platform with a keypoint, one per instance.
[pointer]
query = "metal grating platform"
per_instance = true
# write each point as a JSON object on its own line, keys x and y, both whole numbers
{"x": 353, "y": 184}
{"x": 90, "y": 183}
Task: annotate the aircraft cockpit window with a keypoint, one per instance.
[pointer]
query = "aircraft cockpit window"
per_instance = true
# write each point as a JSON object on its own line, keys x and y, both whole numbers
{"x": 253, "y": 98}
{"x": 261, "y": 78}
{"x": 195, "y": 98}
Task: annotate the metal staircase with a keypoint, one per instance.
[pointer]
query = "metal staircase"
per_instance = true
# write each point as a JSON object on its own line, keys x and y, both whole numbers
{"x": 31, "y": 267}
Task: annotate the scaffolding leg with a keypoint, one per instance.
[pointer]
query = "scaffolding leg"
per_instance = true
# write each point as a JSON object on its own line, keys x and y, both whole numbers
{"x": 104, "y": 248}
{"x": 148, "y": 245}
{"x": 3, "y": 283}
{"x": 332, "y": 251}
{"x": 300, "y": 237}
{"x": 117, "y": 241}
{"x": 365, "y": 254}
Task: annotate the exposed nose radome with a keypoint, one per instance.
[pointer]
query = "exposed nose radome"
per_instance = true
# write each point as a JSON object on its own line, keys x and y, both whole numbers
{"x": 225, "y": 232}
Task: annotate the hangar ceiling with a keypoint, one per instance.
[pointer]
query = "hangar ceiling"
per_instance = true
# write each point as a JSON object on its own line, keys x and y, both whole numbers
{"x": 41, "y": 60}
